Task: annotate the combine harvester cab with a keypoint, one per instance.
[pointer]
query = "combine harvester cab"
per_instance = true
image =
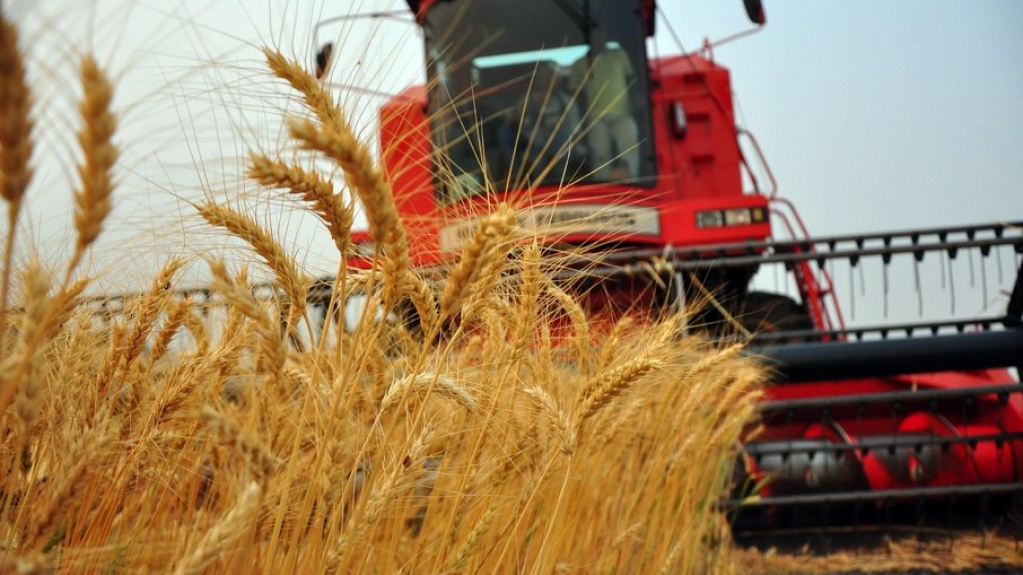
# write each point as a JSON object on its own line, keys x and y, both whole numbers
{"x": 554, "y": 108}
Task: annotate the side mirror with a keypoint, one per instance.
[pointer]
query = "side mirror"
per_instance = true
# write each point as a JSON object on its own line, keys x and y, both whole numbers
{"x": 755, "y": 11}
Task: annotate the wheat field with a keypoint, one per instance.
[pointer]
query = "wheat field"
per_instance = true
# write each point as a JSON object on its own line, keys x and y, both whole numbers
{"x": 228, "y": 429}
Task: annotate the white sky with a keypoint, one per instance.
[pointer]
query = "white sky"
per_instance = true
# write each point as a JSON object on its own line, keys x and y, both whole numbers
{"x": 873, "y": 114}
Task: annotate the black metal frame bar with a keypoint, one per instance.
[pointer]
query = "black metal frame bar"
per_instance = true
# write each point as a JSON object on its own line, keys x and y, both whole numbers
{"x": 880, "y": 495}
{"x": 909, "y": 329}
{"x": 868, "y": 444}
{"x": 902, "y": 397}
{"x": 818, "y": 250}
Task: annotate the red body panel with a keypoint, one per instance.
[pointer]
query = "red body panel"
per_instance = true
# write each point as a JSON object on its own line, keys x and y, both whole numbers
{"x": 405, "y": 151}
{"x": 705, "y": 162}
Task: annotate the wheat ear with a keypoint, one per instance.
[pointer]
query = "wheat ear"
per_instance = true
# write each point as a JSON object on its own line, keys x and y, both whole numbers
{"x": 195, "y": 325}
{"x": 674, "y": 554}
{"x": 15, "y": 148}
{"x": 44, "y": 318}
{"x": 92, "y": 200}
{"x": 337, "y": 141}
{"x": 29, "y": 397}
{"x": 494, "y": 265}
{"x": 428, "y": 382}
{"x": 329, "y": 206}
{"x": 425, "y": 302}
{"x": 610, "y": 347}
{"x": 380, "y": 497}
{"x": 710, "y": 361}
{"x": 241, "y": 298}
{"x": 582, "y": 338}
{"x": 175, "y": 317}
{"x": 35, "y": 564}
{"x": 87, "y": 454}
{"x": 148, "y": 309}
{"x": 491, "y": 235}
{"x": 260, "y": 461}
{"x": 63, "y": 305}
{"x": 529, "y": 298}
{"x": 294, "y": 284}
{"x": 15, "y": 118}
{"x": 222, "y": 534}
{"x": 559, "y": 420}
{"x": 473, "y": 539}
{"x": 606, "y": 387}
{"x": 316, "y": 97}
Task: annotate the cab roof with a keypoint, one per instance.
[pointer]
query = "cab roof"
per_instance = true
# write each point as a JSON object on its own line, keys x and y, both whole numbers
{"x": 421, "y": 7}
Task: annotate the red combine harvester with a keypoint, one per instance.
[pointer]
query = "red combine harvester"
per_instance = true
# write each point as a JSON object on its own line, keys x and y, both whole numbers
{"x": 553, "y": 106}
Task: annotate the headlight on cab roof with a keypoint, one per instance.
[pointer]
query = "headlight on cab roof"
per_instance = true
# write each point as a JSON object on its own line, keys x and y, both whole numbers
{"x": 730, "y": 217}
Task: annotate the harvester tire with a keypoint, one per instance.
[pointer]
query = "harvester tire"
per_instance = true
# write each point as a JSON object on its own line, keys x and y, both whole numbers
{"x": 774, "y": 313}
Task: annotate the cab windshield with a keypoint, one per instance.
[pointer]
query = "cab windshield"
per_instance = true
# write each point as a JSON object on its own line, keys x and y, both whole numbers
{"x": 537, "y": 92}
